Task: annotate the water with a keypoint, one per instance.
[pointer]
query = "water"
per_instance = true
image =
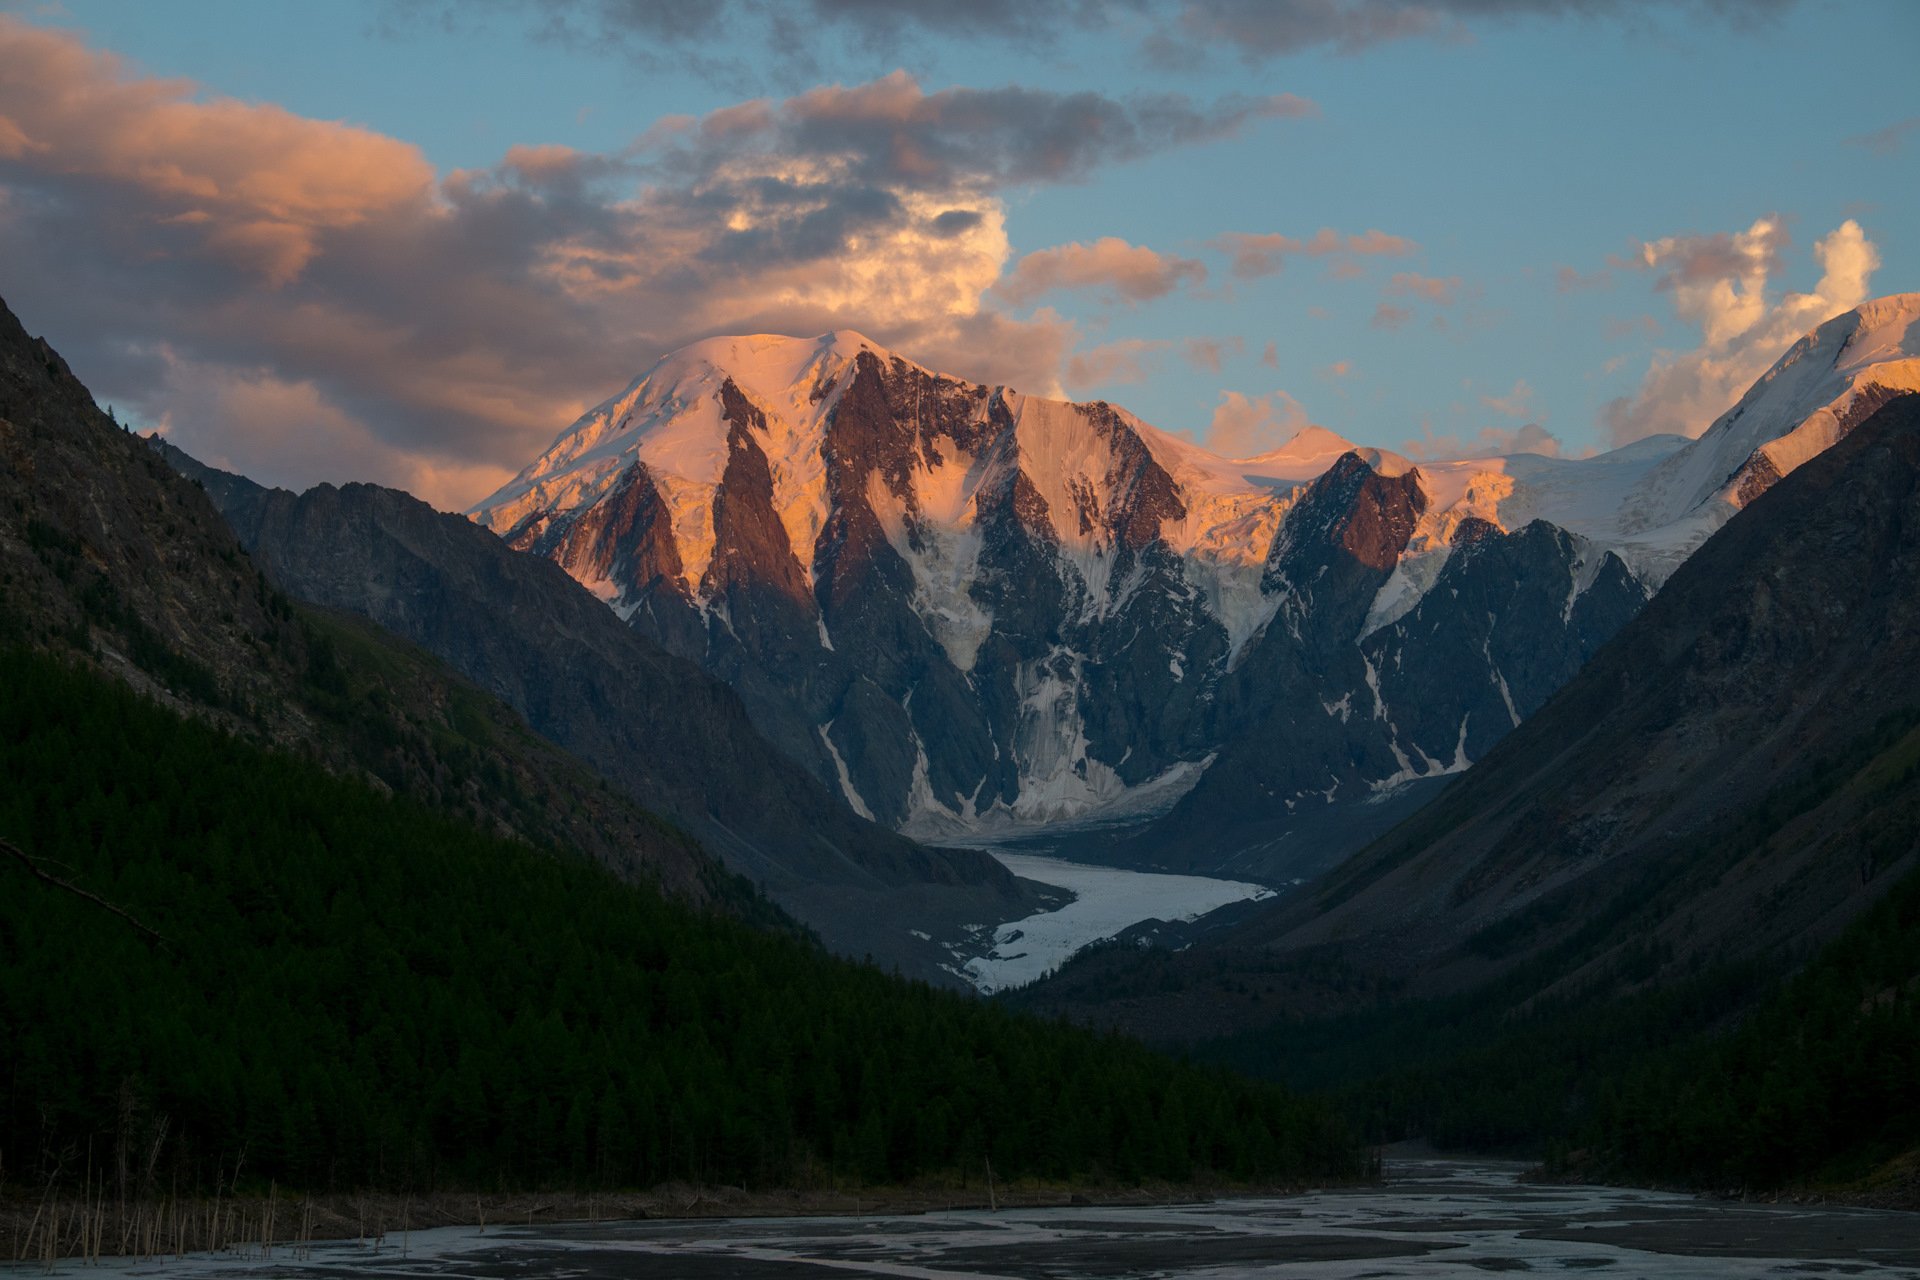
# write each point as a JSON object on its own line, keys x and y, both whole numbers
{"x": 1106, "y": 901}
{"x": 1433, "y": 1219}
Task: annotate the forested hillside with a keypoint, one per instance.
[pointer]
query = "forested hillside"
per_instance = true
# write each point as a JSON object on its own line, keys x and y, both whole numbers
{"x": 349, "y": 990}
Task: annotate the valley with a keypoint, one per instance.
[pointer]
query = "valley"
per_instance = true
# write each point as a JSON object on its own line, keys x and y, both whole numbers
{"x": 1132, "y": 638}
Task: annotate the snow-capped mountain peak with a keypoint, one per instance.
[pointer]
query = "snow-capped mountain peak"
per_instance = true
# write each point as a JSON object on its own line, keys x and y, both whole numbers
{"x": 963, "y": 605}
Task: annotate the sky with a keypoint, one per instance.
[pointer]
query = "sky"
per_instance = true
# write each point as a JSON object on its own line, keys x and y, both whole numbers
{"x": 409, "y": 241}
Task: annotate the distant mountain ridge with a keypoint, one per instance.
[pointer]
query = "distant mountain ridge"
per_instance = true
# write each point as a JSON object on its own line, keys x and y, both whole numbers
{"x": 1729, "y": 781}
{"x": 653, "y": 724}
{"x": 968, "y": 609}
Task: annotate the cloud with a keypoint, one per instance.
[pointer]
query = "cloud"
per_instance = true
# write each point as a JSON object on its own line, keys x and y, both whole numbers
{"x": 206, "y": 262}
{"x": 1339, "y": 369}
{"x": 890, "y": 134}
{"x": 1490, "y": 442}
{"x": 1569, "y": 280}
{"x": 1517, "y": 403}
{"x": 1270, "y": 355}
{"x": 729, "y": 41}
{"x": 1642, "y": 325}
{"x": 1886, "y": 141}
{"x": 1208, "y": 353}
{"x": 1253, "y": 256}
{"x": 1242, "y": 427}
{"x": 1259, "y": 30}
{"x": 1441, "y": 291}
{"x": 1130, "y": 273}
{"x": 1387, "y": 316}
{"x": 1127, "y": 360}
{"x": 1720, "y": 284}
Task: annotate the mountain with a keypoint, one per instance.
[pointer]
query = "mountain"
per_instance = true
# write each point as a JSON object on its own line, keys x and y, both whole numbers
{"x": 662, "y": 731}
{"x": 111, "y": 559}
{"x": 972, "y": 611}
{"x": 1729, "y": 782}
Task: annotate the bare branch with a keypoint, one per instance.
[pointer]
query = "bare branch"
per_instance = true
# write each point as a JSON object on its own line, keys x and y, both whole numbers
{"x": 8, "y": 847}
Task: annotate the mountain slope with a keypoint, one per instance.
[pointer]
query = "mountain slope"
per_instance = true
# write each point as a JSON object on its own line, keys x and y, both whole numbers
{"x": 352, "y": 992}
{"x": 655, "y": 725}
{"x": 107, "y": 555}
{"x": 1728, "y": 781}
{"x": 1789, "y": 636}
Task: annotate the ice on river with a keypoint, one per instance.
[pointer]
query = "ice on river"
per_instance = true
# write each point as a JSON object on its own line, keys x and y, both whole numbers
{"x": 1107, "y": 901}
{"x": 1433, "y": 1220}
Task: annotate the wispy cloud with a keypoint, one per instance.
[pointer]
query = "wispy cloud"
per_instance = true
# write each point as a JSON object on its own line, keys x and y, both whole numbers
{"x": 728, "y": 41}
{"x": 1263, "y": 254}
{"x": 1441, "y": 291}
{"x": 1126, "y": 272}
{"x": 1886, "y": 141}
{"x": 1517, "y": 403}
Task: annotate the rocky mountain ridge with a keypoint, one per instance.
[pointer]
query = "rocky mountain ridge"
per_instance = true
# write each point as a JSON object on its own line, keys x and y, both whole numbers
{"x": 971, "y": 610}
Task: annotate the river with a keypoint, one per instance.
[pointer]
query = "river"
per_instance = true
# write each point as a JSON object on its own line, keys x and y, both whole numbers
{"x": 1432, "y": 1219}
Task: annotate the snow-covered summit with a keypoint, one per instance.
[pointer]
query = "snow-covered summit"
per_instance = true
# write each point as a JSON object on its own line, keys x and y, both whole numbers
{"x": 1810, "y": 398}
{"x": 965, "y": 605}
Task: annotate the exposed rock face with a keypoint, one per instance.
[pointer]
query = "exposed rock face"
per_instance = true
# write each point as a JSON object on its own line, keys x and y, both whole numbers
{"x": 967, "y": 609}
{"x": 670, "y": 735}
{"x": 111, "y": 559}
{"x": 1732, "y": 773}
{"x": 1730, "y": 779}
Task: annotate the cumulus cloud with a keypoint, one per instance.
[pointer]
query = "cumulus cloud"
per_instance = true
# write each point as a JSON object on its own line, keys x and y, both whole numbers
{"x": 1255, "y": 255}
{"x": 1127, "y": 272}
{"x": 205, "y": 262}
{"x": 1388, "y": 316}
{"x": 1720, "y": 284}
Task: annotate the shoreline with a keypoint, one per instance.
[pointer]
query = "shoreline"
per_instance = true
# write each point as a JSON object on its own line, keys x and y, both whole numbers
{"x": 41, "y": 1230}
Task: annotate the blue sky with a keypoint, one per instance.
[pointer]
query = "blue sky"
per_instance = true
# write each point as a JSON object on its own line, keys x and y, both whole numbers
{"x": 1518, "y": 159}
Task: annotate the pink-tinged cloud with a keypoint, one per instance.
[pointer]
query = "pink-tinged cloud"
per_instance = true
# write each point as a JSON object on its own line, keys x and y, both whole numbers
{"x": 1270, "y": 355}
{"x": 1517, "y": 403}
{"x": 251, "y": 187}
{"x": 1489, "y": 442}
{"x": 1127, "y": 360}
{"x": 209, "y": 264}
{"x": 1126, "y": 272}
{"x": 1243, "y": 426}
{"x": 1720, "y": 283}
{"x": 1387, "y": 316}
{"x": 1207, "y": 354}
{"x": 1340, "y": 369}
{"x": 1569, "y": 280}
{"x": 1441, "y": 291}
{"x": 1254, "y": 255}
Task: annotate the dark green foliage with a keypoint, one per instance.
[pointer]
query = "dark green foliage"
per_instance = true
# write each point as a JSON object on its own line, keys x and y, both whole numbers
{"x": 354, "y": 991}
{"x": 1753, "y": 1071}
{"x": 1823, "y": 1081}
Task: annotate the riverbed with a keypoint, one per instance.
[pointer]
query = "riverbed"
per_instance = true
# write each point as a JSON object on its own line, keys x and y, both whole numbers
{"x": 1431, "y": 1220}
